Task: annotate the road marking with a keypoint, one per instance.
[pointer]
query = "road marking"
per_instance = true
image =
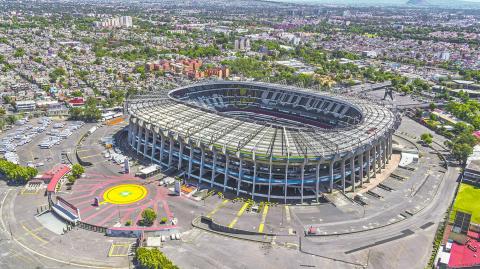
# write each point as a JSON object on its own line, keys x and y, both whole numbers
{"x": 222, "y": 204}
{"x": 264, "y": 216}
{"x": 239, "y": 214}
{"x": 1, "y": 210}
{"x": 34, "y": 234}
{"x": 289, "y": 219}
{"x": 291, "y": 245}
{"x": 24, "y": 258}
{"x": 26, "y": 191}
{"x": 287, "y": 213}
{"x": 91, "y": 156}
{"x": 58, "y": 260}
{"x": 114, "y": 246}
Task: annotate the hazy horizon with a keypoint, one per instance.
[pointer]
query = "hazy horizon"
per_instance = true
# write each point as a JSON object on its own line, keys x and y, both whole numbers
{"x": 383, "y": 2}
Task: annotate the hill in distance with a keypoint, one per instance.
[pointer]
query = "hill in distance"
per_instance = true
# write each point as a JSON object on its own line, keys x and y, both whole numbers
{"x": 418, "y": 2}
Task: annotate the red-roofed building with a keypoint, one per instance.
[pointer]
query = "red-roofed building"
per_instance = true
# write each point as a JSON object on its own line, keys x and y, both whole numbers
{"x": 53, "y": 176}
{"x": 464, "y": 256}
{"x": 77, "y": 101}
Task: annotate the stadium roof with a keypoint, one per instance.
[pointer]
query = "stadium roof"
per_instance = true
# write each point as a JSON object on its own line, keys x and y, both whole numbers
{"x": 201, "y": 126}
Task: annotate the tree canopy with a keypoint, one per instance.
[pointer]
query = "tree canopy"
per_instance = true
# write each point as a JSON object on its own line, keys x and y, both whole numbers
{"x": 77, "y": 170}
{"x": 15, "y": 172}
{"x": 152, "y": 258}
{"x": 148, "y": 216}
{"x": 89, "y": 112}
{"x": 427, "y": 138}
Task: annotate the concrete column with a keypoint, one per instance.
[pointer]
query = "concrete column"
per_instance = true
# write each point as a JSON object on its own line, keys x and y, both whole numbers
{"x": 360, "y": 172}
{"x": 154, "y": 145}
{"x": 352, "y": 172}
{"x": 343, "y": 175}
{"x": 225, "y": 179}
{"x": 140, "y": 131}
{"x": 170, "y": 152}
{"x": 330, "y": 174}
{"x": 368, "y": 165}
{"x": 240, "y": 175}
{"x": 145, "y": 145}
{"x": 388, "y": 149}
{"x": 390, "y": 142}
{"x": 180, "y": 155}
{"x": 269, "y": 180}
{"x": 202, "y": 162}
{"x": 286, "y": 183}
{"x": 254, "y": 178}
{"x": 374, "y": 161}
{"x": 385, "y": 153}
{"x": 379, "y": 158}
{"x": 190, "y": 161}
{"x": 317, "y": 185}
{"x": 162, "y": 147}
{"x": 303, "y": 178}
{"x": 136, "y": 129}
{"x": 380, "y": 155}
{"x": 130, "y": 129}
{"x": 214, "y": 164}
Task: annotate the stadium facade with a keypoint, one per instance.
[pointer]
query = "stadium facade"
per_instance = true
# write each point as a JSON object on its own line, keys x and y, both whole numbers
{"x": 264, "y": 140}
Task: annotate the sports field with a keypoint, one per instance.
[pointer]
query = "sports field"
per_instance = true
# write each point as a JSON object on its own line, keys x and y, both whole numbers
{"x": 468, "y": 200}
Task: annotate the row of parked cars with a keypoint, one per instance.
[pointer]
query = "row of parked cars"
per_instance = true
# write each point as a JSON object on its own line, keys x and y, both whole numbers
{"x": 21, "y": 136}
{"x": 59, "y": 132}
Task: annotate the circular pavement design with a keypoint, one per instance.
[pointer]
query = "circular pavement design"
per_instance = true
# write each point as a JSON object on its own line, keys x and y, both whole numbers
{"x": 124, "y": 194}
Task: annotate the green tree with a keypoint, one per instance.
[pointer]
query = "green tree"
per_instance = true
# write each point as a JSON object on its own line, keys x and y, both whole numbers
{"x": 91, "y": 112}
{"x": 77, "y": 170}
{"x": 148, "y": 216}
{"x": 461, "y": 151}
{"x": 427, "y": 138}
{"x": 15, "y": 172}
{"x": 20, "y": 52}
{"x": 71, "y": 179}
{"x": 152, "y": 258}
{"x": 56, "y": 74}
{"x": 77, "y": 94}
{"x": 8, "y": 100}
{"x": 11, "y": 119}
{"x": 462, "y": 127}
{"x": 76, "y": 113}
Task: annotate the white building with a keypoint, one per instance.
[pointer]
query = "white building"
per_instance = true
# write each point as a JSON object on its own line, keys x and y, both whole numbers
{"x": 370, "y": 54}
{"x": 242, "y": 44}
{"x": 28, "y": 105}
{"x": 123, "y": 21}
{"x": 445, "y": 56}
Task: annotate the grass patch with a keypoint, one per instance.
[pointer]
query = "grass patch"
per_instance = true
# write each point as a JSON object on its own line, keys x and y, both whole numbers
{"x": 467, "y": 201}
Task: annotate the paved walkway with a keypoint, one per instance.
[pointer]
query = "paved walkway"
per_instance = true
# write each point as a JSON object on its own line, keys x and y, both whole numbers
{"x": 405, "y": 198}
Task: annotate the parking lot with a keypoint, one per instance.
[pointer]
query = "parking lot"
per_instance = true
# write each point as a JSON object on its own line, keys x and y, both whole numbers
{"x": 41, "y": 142}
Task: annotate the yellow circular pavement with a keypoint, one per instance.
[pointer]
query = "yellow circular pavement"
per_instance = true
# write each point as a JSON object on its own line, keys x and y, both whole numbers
{"x": 124, "y": 194}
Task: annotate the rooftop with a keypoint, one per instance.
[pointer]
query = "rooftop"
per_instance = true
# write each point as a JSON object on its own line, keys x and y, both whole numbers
{"x": 255, "y": 140}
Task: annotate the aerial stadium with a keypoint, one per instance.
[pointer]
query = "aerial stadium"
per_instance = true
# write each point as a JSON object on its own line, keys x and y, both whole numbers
{"x": 264, "y": 141}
